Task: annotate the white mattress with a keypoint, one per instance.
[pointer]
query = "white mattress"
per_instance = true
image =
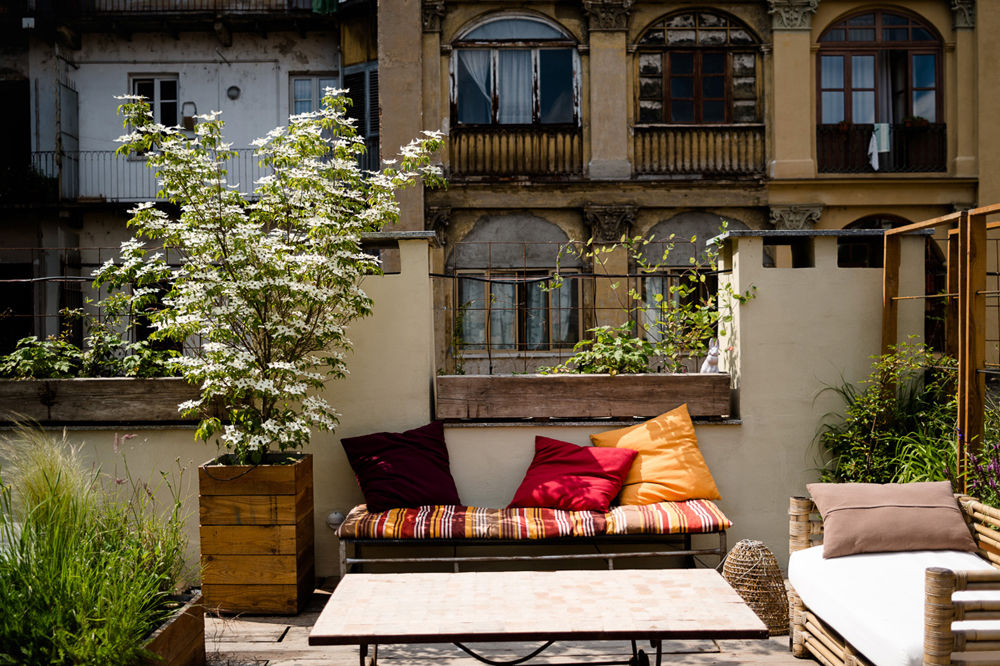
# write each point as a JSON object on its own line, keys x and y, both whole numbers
{"x": 876, "y": 601}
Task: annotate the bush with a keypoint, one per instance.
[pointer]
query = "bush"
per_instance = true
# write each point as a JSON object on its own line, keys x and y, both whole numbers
{"x": 87, "y": 566}
{"x": 900, "y": 425}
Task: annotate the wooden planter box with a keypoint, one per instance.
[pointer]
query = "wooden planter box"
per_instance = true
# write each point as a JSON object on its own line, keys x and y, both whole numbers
{"x": 181, "y": 640}
{"x": 579, "y": 396}
{"x": 95, "y": 400}
{"x": 257, "y": 537}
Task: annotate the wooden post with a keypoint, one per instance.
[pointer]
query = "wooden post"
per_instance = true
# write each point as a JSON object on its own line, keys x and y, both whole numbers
{"x": 951, "y": 303}
{"x": 890, "y": 290}
{"x": 972, "y": 318}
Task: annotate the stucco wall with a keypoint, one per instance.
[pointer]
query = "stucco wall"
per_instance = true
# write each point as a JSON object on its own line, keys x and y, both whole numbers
{"x": 807, "y": 328}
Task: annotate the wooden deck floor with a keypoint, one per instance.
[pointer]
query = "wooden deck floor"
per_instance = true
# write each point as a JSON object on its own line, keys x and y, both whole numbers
{"x": 283, "y": 641}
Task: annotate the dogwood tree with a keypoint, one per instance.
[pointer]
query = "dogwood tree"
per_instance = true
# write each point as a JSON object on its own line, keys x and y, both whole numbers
{"x": 269, "y": 281}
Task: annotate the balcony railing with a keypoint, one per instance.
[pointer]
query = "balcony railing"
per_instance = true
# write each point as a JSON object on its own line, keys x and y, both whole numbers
{"x": 700, "y": 150}
{"x": 96, "y": 7}
{"x": 912, "y": 148}
{"x": 507, "y": 152}
{"x": 103, "y": 175}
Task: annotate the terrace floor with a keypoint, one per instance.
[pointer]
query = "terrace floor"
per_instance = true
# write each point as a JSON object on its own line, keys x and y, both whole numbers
{"x": 283, "y": 641}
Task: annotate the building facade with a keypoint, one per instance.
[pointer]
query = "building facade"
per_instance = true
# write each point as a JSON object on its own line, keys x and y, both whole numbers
{"x": 65, "y": 195}
{"x": 594, "y": 119}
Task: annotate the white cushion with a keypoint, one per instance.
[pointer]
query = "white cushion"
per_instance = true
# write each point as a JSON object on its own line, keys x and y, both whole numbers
{"x": 876, "y": 600}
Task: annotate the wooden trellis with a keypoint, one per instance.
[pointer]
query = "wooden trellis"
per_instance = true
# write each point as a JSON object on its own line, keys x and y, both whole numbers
{"x": 965, "y": 321}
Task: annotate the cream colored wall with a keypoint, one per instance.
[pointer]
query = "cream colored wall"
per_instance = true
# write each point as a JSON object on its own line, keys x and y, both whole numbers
{"x": 389, "y": 388}
{"x": 806, "y": 329}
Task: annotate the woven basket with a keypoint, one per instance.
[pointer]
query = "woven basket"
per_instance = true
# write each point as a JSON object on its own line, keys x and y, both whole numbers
{"x": 753, "y": 572}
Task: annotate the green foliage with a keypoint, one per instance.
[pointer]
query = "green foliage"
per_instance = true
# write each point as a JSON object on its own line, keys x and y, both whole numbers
{"x": 106, "y": 352}
{"x": 899, "y": 426}
{"x": 268, "y": 282}
{"x": 51, "y": 358}
{"x": 984, "y": 465}
{"x": 87, "y": 565}
{"x": 676, "y": 325}
{"x": 610, "y": 351}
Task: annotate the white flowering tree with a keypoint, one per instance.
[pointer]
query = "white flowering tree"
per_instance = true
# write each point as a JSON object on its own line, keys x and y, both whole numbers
{"x": 268, "y": 282}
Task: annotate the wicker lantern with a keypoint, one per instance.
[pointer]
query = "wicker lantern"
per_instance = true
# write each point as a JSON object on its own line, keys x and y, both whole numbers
{"x": 753, "y": 572}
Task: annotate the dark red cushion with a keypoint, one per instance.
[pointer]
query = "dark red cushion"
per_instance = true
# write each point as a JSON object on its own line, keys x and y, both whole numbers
{"x": 402, "y": 469}
{"x": 573, "y": 478}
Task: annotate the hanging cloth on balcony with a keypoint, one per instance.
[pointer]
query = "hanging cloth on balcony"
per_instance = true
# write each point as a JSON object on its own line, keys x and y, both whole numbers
{"x": 881, "y": 134}
{"x": 873, "y": 151}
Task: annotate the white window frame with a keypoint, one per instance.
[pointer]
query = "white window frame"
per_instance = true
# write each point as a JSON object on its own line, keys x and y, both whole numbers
{"x": 534, "y": 46}
{"x": 315, "y": 89}
{"x": 155, "y": 103}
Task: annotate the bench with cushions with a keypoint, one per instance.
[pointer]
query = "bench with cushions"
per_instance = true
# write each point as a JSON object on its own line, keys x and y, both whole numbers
{"x": 663, "y": 487}
{"x": 894, "y": 575}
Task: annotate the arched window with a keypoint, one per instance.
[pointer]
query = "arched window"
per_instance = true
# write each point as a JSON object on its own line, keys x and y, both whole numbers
{"x": 698, "y": 67}
{"x": 515, "y": 71}
{"x": 879, "y": 67}
{"x": 504, "y": 299}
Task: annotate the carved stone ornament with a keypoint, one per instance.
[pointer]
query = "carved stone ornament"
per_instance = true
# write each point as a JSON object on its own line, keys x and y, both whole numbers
{"x": 792, "y": 218}
{"x": 432, "y": 13}
{"x": 965, "y": 13}
{"x": 608, "y": 14}
{"x": 437, "y": 219}
{"x": 609, "y": 223}
{"x": 792, "y": 14}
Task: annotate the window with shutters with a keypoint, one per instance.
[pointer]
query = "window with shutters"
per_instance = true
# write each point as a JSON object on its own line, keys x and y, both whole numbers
{"x": 361, "y": 82}
{"x": 698, "y": 67}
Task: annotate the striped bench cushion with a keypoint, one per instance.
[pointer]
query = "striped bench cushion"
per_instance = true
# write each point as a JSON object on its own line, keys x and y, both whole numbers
{"x": 687, "y": 517}
{"x": 470, "y": 522}
{"x": 467, "y": 522}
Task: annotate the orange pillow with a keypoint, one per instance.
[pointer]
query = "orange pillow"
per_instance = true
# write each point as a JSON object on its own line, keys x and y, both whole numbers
{"x": 669, "y": 466}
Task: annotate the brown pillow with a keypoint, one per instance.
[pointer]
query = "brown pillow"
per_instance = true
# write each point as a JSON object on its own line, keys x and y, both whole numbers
{"x": 877, "y": 518}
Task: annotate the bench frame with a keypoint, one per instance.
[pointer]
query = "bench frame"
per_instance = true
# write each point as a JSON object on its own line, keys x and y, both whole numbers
{"x": 352, "y": 557}
{"x": 810, "y": 636}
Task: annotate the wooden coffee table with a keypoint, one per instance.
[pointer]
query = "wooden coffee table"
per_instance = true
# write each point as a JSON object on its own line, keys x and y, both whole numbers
{"x": 623, "y": 604}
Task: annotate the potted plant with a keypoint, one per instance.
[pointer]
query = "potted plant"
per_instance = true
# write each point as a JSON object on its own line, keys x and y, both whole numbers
{"x": 268, "y": 284}
{"x": 618, "y": 371}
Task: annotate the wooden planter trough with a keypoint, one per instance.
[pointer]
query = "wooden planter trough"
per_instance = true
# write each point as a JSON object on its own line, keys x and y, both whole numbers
{"x": 181, "y": 640}
{"x": 95, "y": 400}
{"x": 257, "y": 537}
{"x": 579, "y": 396}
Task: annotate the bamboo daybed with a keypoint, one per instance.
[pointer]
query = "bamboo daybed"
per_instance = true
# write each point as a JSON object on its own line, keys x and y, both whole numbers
{"x": 942, "y": 643}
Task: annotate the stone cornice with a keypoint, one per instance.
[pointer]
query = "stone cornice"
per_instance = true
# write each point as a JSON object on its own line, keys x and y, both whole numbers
{"x": 608, "y": 14}
{"x": 965, "y": 13}
{"x": 795, "y": 217}
{"x": 432, "y": 12}
{"x": 792, "y": 14}
{"x": 609, "y": 223}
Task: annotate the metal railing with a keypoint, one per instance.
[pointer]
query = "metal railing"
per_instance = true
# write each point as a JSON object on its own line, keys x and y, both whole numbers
{"x": 503, "y": 311}
{"x": 97, "y": 7}
{"x": 914, "y": 148}
{"x": 704, "y": 150}
{"x": 103, "y": 175}
{"x": 505, "y": 152}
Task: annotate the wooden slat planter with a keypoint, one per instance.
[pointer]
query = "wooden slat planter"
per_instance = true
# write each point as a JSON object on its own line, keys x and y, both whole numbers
{"x": 579, "y": 396}
{"x": 95, "y": 400}
{"x": 181, "y": 640}
{"x": 257, "y": 537}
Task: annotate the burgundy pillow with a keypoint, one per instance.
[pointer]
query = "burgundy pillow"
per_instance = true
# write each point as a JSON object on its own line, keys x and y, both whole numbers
{"x": 573, "y": 478}
{"x": 402, "y": 469}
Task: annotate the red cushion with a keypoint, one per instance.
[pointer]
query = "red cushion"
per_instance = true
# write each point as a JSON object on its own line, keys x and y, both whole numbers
{"x": 573, "y": 478}
{"x": 402, "y": 469}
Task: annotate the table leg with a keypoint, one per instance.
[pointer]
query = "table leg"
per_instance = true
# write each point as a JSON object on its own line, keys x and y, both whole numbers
{"x": 363, "y": 655}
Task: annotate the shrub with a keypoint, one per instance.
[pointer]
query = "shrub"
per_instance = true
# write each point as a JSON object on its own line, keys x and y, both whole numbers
{"x": 86, "y": 565}
{"x": 899, "y": 425}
